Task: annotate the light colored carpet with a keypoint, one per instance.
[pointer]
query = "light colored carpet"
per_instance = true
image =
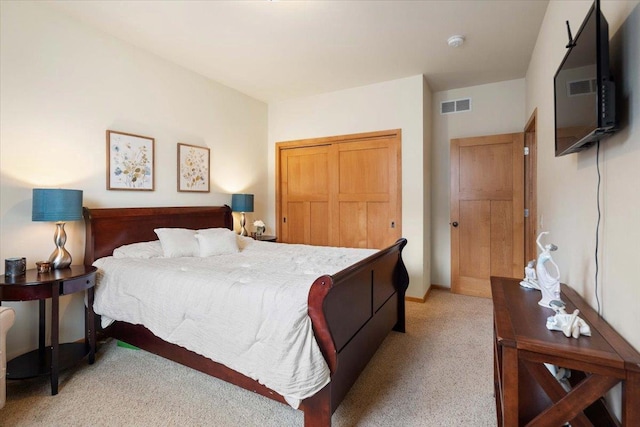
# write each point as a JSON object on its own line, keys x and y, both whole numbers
{"x": 439, "y": 373}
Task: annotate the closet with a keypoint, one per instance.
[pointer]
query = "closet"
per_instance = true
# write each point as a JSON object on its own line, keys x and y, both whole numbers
{"x": 341, "y": 190}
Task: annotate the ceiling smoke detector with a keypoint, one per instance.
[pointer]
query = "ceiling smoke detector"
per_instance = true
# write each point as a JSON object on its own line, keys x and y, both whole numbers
{"x": 455, "y": 41}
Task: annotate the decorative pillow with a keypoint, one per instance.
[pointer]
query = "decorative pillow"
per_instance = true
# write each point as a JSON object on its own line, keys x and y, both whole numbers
{"x": 178, "y": 242}
{"x": 144, "y": 250}
{"x": 217, "y": 241}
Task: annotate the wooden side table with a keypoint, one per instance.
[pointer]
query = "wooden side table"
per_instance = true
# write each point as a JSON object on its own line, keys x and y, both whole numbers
{"x": 34, "y": 286}
{"x": 527, "y": 393}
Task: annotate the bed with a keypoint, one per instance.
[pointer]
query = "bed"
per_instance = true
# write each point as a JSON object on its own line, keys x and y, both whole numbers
{"x": 351, "y": 311}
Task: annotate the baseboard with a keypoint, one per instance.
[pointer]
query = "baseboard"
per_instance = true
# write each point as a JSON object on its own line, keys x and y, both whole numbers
{"x": 426, "y": 295}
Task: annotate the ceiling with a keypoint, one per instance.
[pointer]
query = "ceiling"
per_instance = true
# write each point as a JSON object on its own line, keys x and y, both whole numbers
{"x": 276, "y": 50}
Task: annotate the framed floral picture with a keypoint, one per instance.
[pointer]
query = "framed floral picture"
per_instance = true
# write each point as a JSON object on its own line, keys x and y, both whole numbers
{"x": 130, "y": 162}
{"x": 193, "y": 168}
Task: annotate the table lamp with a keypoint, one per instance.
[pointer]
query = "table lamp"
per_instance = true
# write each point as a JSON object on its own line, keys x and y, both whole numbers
{"x": 54, "y": 204}
{"x": 242, "y": 203}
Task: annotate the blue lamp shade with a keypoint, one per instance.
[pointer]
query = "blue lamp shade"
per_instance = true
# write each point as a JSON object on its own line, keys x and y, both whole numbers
{"x": 54, "y": 204}
{"x": 242, "y": 202}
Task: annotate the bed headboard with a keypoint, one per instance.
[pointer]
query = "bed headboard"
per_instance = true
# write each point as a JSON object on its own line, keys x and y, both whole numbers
{"x": 107, "y": 229}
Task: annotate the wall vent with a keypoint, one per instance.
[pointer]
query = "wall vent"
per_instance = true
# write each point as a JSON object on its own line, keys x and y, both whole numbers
{"x": 581, "y": 87}
{"x": 455, "y": 106}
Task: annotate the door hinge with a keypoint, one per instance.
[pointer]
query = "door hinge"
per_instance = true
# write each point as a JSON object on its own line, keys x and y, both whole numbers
{"x": 526, "y": 213}
{"x": 526, "y": 151}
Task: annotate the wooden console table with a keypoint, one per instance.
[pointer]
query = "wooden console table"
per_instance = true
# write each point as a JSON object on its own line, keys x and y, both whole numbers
{"x": 527, "y": 394}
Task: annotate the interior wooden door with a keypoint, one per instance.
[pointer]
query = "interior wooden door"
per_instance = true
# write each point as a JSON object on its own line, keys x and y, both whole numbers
{"x": 340, "y": 191}
{"x": 487, "y": 211}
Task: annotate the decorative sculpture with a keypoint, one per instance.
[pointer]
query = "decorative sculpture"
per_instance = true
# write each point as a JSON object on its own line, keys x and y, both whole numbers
{"x": 530, "y": 280}
{"x": 570, "y": 324}
{"x": 548, "y": 284}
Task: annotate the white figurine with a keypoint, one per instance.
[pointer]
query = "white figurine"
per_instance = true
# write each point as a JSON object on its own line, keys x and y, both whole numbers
{"x": 548, "y": 284}
{"x": 530, "y": 280}
{"x": 570, "y": 324}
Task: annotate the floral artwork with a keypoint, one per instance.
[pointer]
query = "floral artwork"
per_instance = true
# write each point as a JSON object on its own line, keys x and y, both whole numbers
{"x": 130, "y": 161}
{"x": 193, "y": 168}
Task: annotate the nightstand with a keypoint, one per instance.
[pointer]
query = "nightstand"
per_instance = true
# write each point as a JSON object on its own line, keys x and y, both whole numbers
{"x": 49, "y": 360}
{"x": 265, "y": 238}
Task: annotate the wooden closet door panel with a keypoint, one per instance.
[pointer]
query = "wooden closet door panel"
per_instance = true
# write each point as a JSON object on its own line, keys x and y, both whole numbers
{"x": 379, "y": 234}
{"x": 307, "y": 173}
{"x": 307, "y": 223}
{"x": 353, "y": 224}
{"x": 305, "y": 184}
{"x": 364, "y": 169}
{"x": 368, "y": 176}
{"x": 318, "y": 224}
{"x": 295, "y": 225}
{"x": 364, "y": 225}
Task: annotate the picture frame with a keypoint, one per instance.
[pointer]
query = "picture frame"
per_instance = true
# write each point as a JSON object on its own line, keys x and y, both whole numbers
{"x": 193, "y": 168}
{"x": 130, "y": 161}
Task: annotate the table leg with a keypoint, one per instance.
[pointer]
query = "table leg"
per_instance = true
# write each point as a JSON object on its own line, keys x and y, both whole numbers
{"x": 55, "y": 326}
{"x": 630, "y": 399}
{"x": 41, "y": 325}
{"x": 510, "y": 410}
{"x": 90, "y": 326}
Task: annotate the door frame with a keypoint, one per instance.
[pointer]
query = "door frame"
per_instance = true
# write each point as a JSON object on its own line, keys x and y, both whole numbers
{"x": 530, "y": 187}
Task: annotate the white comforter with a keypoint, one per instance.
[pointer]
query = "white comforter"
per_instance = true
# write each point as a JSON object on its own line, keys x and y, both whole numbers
{"x": 247, "y": 310}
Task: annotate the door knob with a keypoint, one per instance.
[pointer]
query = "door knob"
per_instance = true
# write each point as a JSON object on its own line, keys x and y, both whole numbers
{"x": 454, "y": 223}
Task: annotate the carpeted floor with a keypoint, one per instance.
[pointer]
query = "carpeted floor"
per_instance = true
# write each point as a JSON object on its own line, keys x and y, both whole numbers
{"x": 439, "y": 373}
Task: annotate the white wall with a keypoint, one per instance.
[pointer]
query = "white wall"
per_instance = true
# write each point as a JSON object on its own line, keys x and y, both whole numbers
{"x": 567, "y": 204}
{"x": 389, "y": 105}
{"x": 496, "y": 108}
{"x": 62, "y": 86}
{"x": 567, "y": 185}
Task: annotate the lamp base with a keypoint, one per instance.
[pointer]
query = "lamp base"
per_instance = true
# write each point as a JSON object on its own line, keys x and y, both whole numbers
{"x": 243, "y": 221}
{"x": 60, "y": 258}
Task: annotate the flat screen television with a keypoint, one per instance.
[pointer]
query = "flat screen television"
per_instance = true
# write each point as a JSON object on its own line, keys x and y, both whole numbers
{"x": 584, "y": 89}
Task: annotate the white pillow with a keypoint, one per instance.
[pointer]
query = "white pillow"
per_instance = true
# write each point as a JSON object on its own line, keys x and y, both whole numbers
{"x": 217, "y": 241}
{"x": 178, "y": 242}
{"x": 143, "y": 250}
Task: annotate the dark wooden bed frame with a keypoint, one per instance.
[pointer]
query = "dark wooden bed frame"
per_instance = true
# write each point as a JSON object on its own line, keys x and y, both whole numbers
{"x": 352, "y": 311}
